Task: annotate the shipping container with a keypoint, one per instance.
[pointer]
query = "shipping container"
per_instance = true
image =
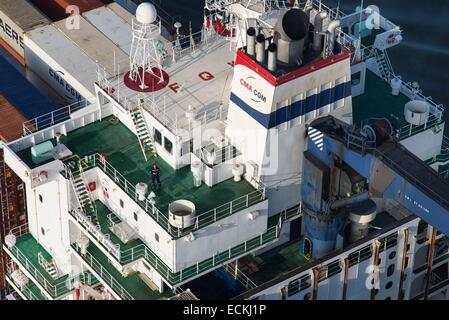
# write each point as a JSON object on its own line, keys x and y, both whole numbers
{"x": 60, "y": 63}
{"x": 95, "y": 44}
{"x": 12, "y": 191}
{"x": 57, "y": 9}
{"x": 115, "y": 23}
{"x": 16, "y": 18}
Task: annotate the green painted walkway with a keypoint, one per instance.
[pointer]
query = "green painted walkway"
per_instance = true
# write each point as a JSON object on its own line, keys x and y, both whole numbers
{"x": 138, "y": 289}
{"x": 377, "y": 101}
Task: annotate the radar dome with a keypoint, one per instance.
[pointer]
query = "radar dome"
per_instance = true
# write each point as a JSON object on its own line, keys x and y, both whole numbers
{"x": 146, "y": 13}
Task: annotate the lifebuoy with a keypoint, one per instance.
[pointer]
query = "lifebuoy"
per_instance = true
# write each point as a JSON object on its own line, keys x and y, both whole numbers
{"x": 391, "y": 38}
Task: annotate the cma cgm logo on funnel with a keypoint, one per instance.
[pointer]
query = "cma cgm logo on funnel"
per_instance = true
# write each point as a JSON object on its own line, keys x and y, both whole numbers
{"x": 247, "y": 83}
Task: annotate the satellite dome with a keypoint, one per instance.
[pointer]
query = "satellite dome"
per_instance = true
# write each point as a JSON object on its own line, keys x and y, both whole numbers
{"x": 146, "y": 13}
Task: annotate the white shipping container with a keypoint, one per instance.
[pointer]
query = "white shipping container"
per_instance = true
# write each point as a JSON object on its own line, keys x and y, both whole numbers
{"x": 16, "y": 18}
{"x": 95, "y": 45}
{"x": 114, "y": 22}
{"x": 60, "y": 63}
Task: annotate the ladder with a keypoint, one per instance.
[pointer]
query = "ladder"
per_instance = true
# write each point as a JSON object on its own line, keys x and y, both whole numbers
{"x": 383, "y": 63}
{"x": 143, "y": 133}
{"x": 83, "y": 195}
{"x": 49, "y": 266}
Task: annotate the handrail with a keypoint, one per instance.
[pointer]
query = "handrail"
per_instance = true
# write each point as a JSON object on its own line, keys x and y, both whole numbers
{"x": 201, "y": 220}
{"x": 61, "y": 286}
{"x": 104, "y": 274}
{"x": 52, "y": 118}
{"x": 143, "y": 252}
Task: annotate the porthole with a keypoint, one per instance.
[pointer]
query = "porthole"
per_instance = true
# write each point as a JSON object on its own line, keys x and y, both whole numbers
{"x": 392, "y": 255}
{"x": 390, "y": 270}
{"x": 389, "y": 285}
{"x": 307, "y": 296}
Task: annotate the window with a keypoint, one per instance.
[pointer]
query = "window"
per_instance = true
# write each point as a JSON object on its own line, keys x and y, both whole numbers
{"x": 389, "y": 285}
{"x": 388, "y": 298}
{"x": 392, "y": 255}
{"x": 282, "y": 114}
{"x": 43, "y": 231}
{"x": 339, "y": 93}
{"x": 311, "y": 104}
{"x": 356, "y": 78}
{"x": 156, "y": 237}
{"x": 121, "y": 203}
{"x": 296, "y": 110}
{"x": 41, "y": 199}
{"x": 168, "y": 145}
{"x": 390, "y": 270}
{"x": 298, "y": 285}
{"x": 325, "y": 98}
{"x": 135, "y": 216}
{"x": 157, "y": 136}
{"x": 307, "y": 296}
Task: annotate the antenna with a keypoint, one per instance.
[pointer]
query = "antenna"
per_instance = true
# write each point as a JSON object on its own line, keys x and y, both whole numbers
{"x": 144, "y": 57}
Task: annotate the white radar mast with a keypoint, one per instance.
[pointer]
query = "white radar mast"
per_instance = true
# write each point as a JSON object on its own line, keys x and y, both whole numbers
{"x": 145, "y": 62}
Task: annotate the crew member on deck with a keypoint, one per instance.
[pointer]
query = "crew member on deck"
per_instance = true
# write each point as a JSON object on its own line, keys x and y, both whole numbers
{"x": 155, "y": 171}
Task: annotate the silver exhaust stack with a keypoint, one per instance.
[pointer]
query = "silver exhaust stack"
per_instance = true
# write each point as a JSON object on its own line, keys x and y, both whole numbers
{"x": 333, "y": 25}
{"x": 318, "y": 37}
{"x": 251, "y": 41}
{"x": 260, "y": 48}
{"x": 291, "y": 29}
{"x": 272, "y": 57}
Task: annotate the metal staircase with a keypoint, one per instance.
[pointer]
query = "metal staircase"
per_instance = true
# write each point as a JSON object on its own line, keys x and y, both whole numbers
{"x": 83, "y": 195}
{"x": 384, "y": 65}
{"x": 143, "y": 133}
{"x": 49, "y": 266}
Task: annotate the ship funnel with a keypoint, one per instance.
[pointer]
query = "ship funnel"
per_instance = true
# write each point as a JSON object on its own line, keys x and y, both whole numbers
{"x": 260, "y": 49}
{"x": 331, "y": 30}
{"x": 291, "y": 29}
{"x": 272, "y": 57}
{"x": 318, "y": 27}
{"x": 251, "y": 41}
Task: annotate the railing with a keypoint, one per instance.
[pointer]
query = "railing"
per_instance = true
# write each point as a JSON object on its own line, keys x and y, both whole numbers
{"x": 52, "y": 118}
{"x": 95, "y": 231}
{"x": 104, "y": 274}
{"x": 220, "y": 155}
{"x": 143, "y": 252}
{"x": 238, "y": 275}
{"x": 56, "y": 289}
{"x": 201, "y": 220}
{"x": 443, "y": 156}
{"x": 26, "y": 291}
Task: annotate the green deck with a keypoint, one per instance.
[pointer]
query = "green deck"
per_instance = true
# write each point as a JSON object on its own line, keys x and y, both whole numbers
{"x": 123, "y": 152}
{"x": 137, "y": 288}
{"x": 378, "y": 102}
{"x": 26, "y": 251}
{"x": 272, "y": 263}
{"x": 30, "y": 248}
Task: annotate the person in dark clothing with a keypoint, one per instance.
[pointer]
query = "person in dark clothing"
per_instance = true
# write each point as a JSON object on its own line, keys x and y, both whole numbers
{"x": 155, "y": 172}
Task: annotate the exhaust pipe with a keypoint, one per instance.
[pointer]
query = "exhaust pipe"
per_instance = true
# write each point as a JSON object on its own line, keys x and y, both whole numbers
{"x": 251, "y": 41}
{"x": 272, "y": 57}
{"x": 318, "y": 26}
{"x": 260, "y": 48}
{"x": 333, "y": 25}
